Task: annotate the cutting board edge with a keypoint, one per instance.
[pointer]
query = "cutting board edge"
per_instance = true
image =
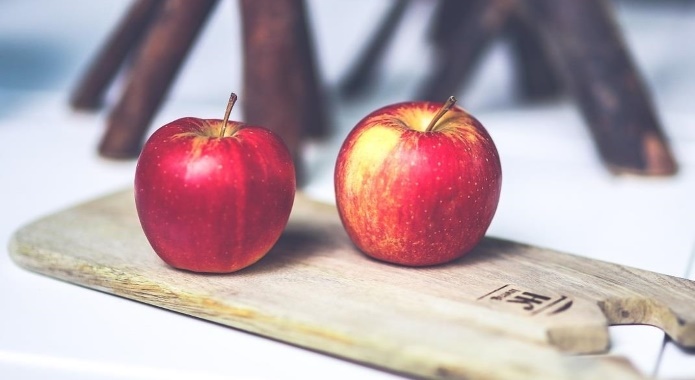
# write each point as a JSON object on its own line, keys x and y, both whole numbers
{"x": 321, "y": 341}
{"x": 25, "y": 256}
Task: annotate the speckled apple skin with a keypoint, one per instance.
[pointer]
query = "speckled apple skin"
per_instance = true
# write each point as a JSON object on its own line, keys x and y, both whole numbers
{"x": 211, "y": 204}
{"x": 412, "y": 197}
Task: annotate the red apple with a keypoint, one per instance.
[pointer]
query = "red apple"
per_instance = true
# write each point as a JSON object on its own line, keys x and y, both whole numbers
{"x": 213, "y": 195}
{"x": 417, "y": 183}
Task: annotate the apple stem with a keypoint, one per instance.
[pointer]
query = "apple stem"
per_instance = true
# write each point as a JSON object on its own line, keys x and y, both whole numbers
{"x": 446, "y": 107}
{"x": 230, "y": 105}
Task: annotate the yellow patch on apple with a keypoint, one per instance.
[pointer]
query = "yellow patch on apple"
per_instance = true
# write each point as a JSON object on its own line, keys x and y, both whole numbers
{"x": 372, "y": 147}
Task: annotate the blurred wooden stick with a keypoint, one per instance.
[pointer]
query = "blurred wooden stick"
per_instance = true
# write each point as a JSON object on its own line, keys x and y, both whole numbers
{"x": 163, "y": 51}
{"x": 364, "y": 70}
{"x": 89, "y": 93}
{"x": 605, "y": 81}
{"x": 537, "y": 76}
{"x": 281, "y": 84}
{"x": 448, "y": 14}
{"x": 462, "y": 48}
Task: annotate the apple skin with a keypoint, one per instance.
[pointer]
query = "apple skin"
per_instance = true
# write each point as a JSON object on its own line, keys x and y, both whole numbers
{"x": 212, "y": 204}
{"x": 417, "y": 198}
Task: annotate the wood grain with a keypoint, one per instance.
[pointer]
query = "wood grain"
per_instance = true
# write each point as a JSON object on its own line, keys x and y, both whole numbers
{"x": 506, "y": 310}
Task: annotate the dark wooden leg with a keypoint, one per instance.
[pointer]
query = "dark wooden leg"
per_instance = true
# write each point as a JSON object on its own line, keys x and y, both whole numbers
{"x": 281, "y": 85}
{"x": 317, "y": 122}
{"x": 538, "y": 78}
{"x": 163, "y": 51}
{"x": 447, "y": 16}
{"x": 363, "y": 72}
{"x": 606, "y": 84}
{"x": 462, "y": 49}
{"x": 89, "y": 93}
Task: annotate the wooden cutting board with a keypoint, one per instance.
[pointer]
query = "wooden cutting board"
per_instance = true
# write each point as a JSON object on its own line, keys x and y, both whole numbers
{"x": 506, "y": 310}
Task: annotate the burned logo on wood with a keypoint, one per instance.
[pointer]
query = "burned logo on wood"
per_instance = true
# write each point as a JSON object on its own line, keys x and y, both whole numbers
{"x": 528, "y": 302}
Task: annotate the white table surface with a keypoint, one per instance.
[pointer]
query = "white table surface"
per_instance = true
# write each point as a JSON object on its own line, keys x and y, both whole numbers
{"x": 555, "y": 191}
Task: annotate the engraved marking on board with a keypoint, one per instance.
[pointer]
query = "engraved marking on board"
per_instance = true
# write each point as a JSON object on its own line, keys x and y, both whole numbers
{"x": 527, "y": 302}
